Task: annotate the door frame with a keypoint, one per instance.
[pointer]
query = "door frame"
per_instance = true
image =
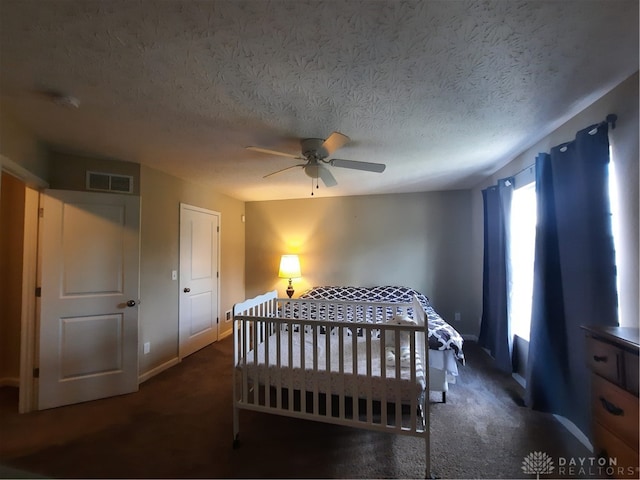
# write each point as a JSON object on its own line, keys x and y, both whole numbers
{"x": 184, "y": 206}
{"x": 30, "y": 278}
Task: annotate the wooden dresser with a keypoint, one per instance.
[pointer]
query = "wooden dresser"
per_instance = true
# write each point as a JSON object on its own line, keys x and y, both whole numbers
{"x": 612, "y": 357}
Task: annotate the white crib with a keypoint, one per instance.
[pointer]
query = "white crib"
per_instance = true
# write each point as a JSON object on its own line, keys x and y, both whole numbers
{"x": 324, "y": 360}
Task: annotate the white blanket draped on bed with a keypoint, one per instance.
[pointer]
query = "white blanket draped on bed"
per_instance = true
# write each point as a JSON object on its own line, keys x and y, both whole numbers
{"x": 332, "y": 381}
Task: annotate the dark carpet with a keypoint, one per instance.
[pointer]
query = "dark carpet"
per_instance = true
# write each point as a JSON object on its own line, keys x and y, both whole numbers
{"x": 179, "y": 425}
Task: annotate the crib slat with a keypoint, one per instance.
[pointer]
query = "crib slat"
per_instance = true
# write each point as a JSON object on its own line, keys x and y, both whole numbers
{"x": 412, "y": 349}
{"x": 245, "y": 373}
{"x": 398, "y": 403}
{"x": 341, "y": 371}
{"x": 290, "y": 364}
{"x": 383, "y": 374}
{"x": 315, "y": 371}
{"x": 368, "y": 333}
{"x": 303, "y": 370}
{"x": 256, "y": 362}
{"x": 354, "y": 369}
{"x": 267, "y": 369}
{"x": 278, "y": 367}
{"x": 328, "y": 357}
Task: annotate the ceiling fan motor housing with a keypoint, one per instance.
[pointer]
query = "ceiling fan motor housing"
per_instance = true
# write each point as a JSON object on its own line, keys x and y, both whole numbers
{"x": 312, "y": 148}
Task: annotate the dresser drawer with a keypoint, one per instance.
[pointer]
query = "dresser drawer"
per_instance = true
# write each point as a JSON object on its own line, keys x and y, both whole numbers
{"x": 615, "y": 409}
{"x": 602, "y": 358}
{"x": 608, "y": 445}
{"x": 631, "y": 371}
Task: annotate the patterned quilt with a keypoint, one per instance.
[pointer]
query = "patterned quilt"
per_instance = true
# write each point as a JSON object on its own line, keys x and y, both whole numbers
{"x": 442, "y": 336}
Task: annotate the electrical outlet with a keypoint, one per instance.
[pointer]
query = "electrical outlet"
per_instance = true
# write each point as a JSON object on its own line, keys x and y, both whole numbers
{"x": 146, "y": 347}
{"x": 228, "y": 316}
{"x": 174, "y": 274}
{"x": 456, "y": 316}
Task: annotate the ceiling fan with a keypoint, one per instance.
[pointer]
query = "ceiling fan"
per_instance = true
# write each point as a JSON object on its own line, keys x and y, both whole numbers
{"x": 315, "y": 155}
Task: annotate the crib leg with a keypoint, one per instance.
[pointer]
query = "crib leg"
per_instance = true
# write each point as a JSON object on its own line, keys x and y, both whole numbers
{"x": 444, "y": 397}
{"x": 426, "y": 412}
{"x": 427, "y": 450}
{"x": 236, "y": 427}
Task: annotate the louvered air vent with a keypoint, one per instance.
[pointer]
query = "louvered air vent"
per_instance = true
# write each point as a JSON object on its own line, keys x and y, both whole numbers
{"x": 109, "y": 182}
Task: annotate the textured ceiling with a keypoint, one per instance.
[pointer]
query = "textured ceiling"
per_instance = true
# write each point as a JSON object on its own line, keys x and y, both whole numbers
{"x": 443, "y": 92}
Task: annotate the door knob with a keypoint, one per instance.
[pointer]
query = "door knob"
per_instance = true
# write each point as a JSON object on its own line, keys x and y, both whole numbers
{"x": 187, "y": 290}
{"x": 131, "y": 303}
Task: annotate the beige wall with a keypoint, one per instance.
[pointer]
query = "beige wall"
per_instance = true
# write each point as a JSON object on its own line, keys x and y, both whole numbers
{"x": 11, "y": 241}
{"x": 21, "y": 146}
{"x": 623, "y": 101}
{"x": 161, "y": 197}
{"x": 419, "y": 240}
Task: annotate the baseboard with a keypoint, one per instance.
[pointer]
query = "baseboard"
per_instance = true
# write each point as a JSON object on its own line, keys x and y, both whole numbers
{"x": 159, "y": 369}
{"x": 10, "y": 382}
{"x": 520, "y": 379}
{"x": 575, "y": 431}
{"x": 225, "y": 334}
{"x": 469, "y": 337}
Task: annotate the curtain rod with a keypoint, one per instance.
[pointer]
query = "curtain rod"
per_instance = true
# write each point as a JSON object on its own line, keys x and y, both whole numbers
{"x": 612, "y": 118}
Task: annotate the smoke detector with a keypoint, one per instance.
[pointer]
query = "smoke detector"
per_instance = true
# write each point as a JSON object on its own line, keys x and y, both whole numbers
{"x": 68, "y": 101}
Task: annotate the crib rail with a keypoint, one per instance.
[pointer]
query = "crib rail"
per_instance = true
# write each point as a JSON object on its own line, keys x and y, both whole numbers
{"x": 326, "y": 361}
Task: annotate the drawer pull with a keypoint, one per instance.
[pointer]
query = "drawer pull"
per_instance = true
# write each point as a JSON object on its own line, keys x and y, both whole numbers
{"x": 599, "y": 358}
{"x": 610, "y": 407}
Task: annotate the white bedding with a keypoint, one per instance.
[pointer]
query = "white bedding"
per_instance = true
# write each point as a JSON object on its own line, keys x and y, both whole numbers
{"x": 331, "y": 380}
{"x": 444, "y": 360}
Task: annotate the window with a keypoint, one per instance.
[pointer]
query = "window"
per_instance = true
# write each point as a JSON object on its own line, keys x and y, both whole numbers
{"x": 615, "y": 217}
{"x": 522, "y": 250}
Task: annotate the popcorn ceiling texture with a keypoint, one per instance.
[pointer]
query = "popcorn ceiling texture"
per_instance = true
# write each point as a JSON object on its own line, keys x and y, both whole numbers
{"x": 443, "y": 92}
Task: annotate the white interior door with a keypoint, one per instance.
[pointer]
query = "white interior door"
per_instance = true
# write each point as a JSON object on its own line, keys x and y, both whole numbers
{"x": 199, "y": 233}
{"x": 89, "y": 315}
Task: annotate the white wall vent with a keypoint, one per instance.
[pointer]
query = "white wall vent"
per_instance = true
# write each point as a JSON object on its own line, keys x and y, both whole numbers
{"x": 109, "y": 182}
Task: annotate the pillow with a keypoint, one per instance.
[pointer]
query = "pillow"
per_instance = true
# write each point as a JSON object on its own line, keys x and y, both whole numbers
{"x": 390, "y": 341}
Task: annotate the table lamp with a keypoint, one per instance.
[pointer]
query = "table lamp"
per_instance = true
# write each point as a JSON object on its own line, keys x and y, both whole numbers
{"x": 289, "y": 268}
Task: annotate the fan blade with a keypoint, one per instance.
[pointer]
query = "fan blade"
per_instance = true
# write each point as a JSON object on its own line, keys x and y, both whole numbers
{"x": 327, "y": 177}
{"x": 335, "y": 141}
{"x": 280, "y": 171}
{"x": 274, "y": 152}
{"x": 366, "y": 166}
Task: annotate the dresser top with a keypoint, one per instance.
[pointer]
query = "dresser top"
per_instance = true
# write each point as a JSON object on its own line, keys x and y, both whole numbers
{"x": 626, "y": 336}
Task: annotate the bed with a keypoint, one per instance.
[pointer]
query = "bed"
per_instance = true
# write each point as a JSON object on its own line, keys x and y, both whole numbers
{"x": 327, "y": 360}
{"x": 445, "y": 343}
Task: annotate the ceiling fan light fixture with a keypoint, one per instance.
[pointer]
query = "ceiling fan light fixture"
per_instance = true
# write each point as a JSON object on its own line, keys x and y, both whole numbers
{"x": 312, "y": 170}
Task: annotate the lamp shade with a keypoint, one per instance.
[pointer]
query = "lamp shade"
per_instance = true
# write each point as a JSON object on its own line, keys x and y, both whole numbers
{"x": 289, "y": 267}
